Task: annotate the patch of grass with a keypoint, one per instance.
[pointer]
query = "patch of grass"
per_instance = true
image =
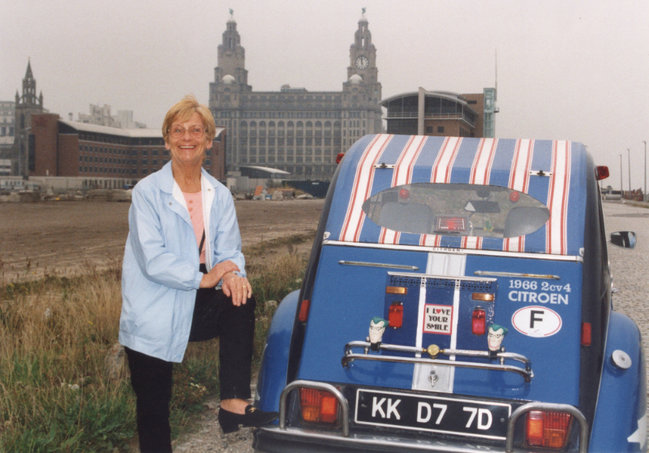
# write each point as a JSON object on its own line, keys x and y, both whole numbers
{"x": 56, "y": 334}
{"x": 287, "y": 242}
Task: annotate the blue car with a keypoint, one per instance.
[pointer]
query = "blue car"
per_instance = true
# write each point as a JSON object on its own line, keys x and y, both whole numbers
{"x": 457, "y": 298}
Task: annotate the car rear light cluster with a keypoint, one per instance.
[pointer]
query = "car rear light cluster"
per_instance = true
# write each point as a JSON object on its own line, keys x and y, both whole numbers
{"x": 318, "y": 406}
{"x": 478, "y": 321}
{"x": 395, "y": 315}
{"x": 478, "y": 315}
{"x": 548, "y": 429}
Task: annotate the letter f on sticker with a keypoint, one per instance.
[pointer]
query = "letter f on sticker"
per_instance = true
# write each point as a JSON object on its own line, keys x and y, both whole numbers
{"x": 535, "y": 316}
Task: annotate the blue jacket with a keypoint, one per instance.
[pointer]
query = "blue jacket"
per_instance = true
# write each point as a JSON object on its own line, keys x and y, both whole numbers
{"x": 160, "y": 272}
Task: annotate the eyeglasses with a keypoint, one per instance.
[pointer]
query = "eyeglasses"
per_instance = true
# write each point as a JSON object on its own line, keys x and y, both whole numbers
{"x": 194, "y": 131}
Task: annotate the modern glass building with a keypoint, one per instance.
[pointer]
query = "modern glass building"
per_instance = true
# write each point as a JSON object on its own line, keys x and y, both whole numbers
{"x": 442, "y": 113}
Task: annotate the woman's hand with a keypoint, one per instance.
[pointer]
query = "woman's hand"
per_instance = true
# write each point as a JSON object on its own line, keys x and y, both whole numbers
{"x": 236, "y": 287}
{"x": 214, "y": 276}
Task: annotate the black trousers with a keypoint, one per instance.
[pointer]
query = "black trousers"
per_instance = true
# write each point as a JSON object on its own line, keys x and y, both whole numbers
{"x": 151, "y": 378}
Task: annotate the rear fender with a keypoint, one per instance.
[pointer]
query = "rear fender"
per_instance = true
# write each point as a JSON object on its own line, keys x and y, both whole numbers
{"x": 272, "y": 374}
{"x": 620, "y": 422}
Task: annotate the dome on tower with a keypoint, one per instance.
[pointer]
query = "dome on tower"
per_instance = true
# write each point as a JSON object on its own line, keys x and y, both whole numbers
{"x": 355, "y": 79}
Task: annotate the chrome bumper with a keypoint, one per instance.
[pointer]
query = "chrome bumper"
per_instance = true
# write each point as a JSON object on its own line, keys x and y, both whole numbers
{"x": 361, "y": 441}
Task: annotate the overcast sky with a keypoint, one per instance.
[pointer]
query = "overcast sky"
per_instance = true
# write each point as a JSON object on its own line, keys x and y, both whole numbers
{"x": 573, "y": 69}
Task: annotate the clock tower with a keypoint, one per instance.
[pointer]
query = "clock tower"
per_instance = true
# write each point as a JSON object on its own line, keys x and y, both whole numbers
{"x": 362, "y": 90}
{"x": 230, "y": 75}
{"x": 362, "y": 55}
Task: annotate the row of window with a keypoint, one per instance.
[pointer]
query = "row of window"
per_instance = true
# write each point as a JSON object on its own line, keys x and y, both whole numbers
{"x": 124, "y": 151}
{"x": 118, "y": 140}
{"x": 130, "y": 167}
{"x": 290, "y": 141}
{"x": 111, "y": 160}
{"x": 111, "y": 170}
{"x": 334, "y": 114}
{"x": 282, "y": 97}
{"x": 290, "y": 125}
{"x": 285, "y": 153}
{"x": 290, "y": 133}
{"x": 252, "y": 158}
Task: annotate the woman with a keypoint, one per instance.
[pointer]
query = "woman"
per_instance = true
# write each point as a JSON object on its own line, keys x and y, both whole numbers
{"x": 184, "y": 242}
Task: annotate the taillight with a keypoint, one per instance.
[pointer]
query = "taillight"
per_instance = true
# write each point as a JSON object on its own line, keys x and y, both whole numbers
{"x": 451, "y": 224}
{"x": 395, "y": 315}
{"x": 586, "y": 334}
{"x": 601, "y": 172}
{"x": 548, "y": 429}
{"x": 303, "y": 315}
{"x": 478, "y": 321}
{"x": 318, "y": 406}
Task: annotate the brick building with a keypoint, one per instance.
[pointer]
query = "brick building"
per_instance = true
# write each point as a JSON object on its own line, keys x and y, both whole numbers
{"x": 68, "y": 148}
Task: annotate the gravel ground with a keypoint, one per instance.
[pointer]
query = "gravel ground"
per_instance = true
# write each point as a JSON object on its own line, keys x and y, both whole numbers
{"x": 628, "y": 268}
{"x": 209, "y": 438}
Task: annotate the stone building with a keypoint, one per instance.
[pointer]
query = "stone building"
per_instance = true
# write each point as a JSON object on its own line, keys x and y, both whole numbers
{"x": 293, "y": 129}
{"x": 7, "y": 122}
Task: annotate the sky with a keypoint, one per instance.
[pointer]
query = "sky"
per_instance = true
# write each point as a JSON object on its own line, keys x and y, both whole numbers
{"x": 564, "y": 69}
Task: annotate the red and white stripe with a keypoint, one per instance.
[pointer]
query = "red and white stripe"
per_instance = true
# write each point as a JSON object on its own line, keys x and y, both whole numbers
{"x": 402, "y": 175}
{"x": 441, "y": 173}
{"x": 556, "y": 235}
{"x": 480, "y": 174}
{"x": 363, "y": 179}
{"x": 519, "y": 180}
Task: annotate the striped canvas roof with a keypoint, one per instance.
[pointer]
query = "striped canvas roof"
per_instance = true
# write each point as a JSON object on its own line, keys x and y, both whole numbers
{"x": 553, "y": 172}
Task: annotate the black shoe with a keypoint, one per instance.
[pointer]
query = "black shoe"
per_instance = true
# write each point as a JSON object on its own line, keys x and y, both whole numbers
{"x": 230, "y": 421}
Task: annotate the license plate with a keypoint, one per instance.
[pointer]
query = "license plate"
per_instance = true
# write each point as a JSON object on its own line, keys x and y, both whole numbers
{"x": 457, "y": 416}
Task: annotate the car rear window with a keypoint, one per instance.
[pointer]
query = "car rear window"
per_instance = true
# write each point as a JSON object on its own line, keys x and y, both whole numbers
{"x": 457, "y": 209}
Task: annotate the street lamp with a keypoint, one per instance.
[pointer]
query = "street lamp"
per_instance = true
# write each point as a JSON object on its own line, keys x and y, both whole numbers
{"x": 621, "y": 179}
{"x": 644, "y": 191}
{"x": 628, "y": 153}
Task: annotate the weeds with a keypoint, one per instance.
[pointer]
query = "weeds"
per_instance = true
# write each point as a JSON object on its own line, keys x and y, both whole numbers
{"x": 56, "y": 394}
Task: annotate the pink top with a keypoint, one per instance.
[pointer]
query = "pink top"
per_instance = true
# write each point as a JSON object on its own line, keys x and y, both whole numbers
{"x": 195, "y": 207}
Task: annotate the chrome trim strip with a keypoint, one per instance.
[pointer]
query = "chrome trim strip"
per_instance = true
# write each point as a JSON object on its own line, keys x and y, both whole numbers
{"x": 349, "y": 356}
{"x": 576, "y": 413}
{"x": 518, "y": 274}
{"x": 460, "y": 278}
{"x": 367, "y": 441}
{"x": 382, "y": 265}
{"x": 417, "y": 248}
{"x": 344, "y": 404}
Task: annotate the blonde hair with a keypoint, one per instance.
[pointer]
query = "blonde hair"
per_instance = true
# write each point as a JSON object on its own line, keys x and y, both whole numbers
{"x": 183, "y": 110}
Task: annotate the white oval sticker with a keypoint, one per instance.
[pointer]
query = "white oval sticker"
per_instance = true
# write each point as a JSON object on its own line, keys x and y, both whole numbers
{"x": 536, "y": 321}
